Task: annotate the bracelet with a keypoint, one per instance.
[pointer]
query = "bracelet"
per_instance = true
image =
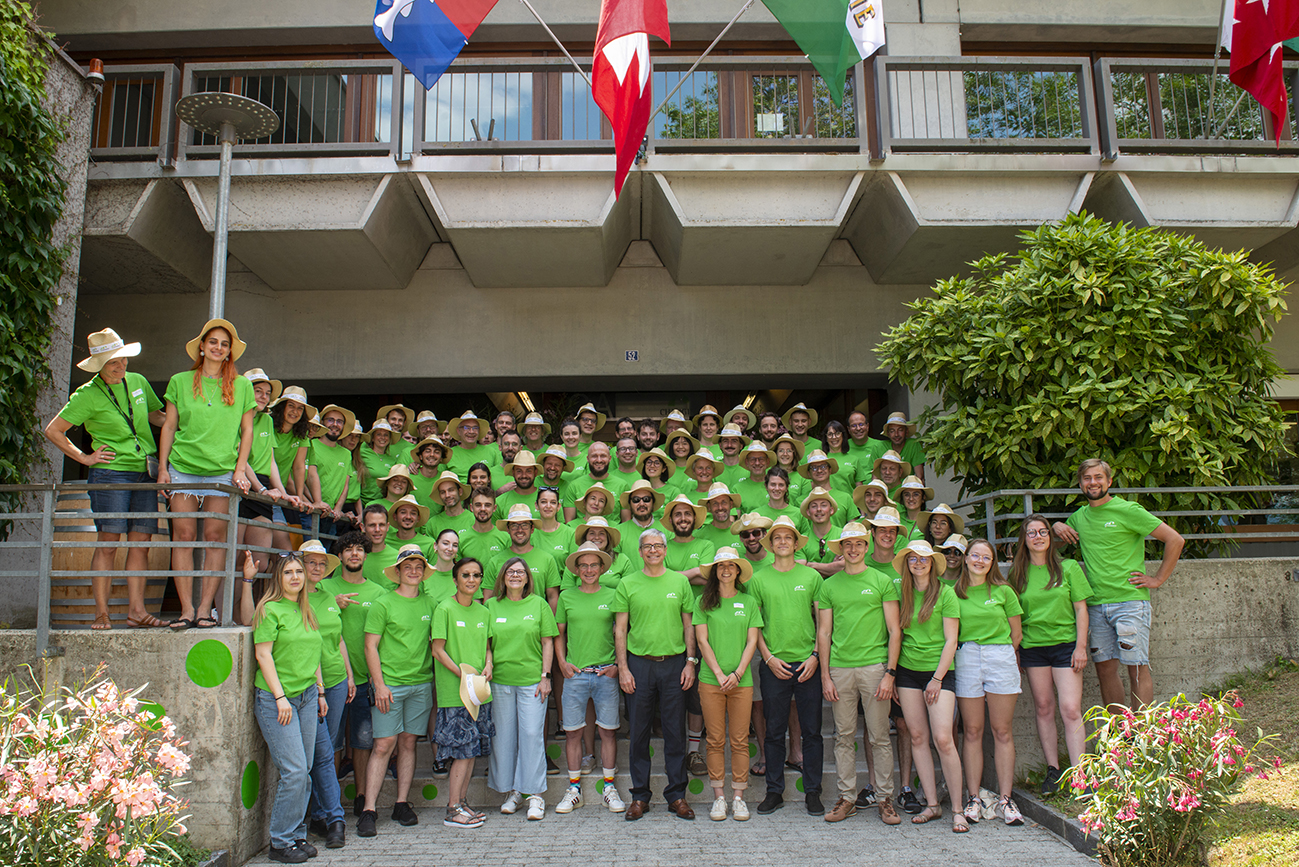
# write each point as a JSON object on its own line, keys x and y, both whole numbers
{"x": 769, "y": 659}
{"x": 936, "y": 680}
{"x": 278, "y": 697}
{"x": 248, "y": 580}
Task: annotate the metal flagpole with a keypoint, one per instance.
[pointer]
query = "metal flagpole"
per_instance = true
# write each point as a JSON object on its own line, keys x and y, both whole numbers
{"x": 707, "y": 51}
{"x": 580, "y": 70}
{"x": 1213, "y": 76}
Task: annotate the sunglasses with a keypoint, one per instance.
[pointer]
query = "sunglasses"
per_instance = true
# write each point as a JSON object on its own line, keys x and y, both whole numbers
{"x": 750, "y": 534}
{"x": 640, "y": 499}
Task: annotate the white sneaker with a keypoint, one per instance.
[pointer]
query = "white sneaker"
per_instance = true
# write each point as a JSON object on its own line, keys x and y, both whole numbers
{"x": 537, "y": 807}
{"x": 973, "y": 809}
{"x": 718, "y": 812}
{"x": 571, "y": 800}
{"x": 588, "y": 765}
{"x": 512, "y": 803}
{"x": 1010, "y": 812}
{"x": 739, "y": 810}
{"x": 611, "y": 799}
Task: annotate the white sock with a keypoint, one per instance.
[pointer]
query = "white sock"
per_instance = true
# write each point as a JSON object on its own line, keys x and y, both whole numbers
{"x": 694, "y": 740}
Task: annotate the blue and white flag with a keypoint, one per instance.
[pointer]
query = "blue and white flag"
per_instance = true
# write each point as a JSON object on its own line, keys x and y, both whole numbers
{"x": 426, "y": 35}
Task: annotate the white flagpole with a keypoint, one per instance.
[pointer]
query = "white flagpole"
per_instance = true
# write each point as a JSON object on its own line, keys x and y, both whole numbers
{"x": 707, "y": 51}
{"x": 1213, "y": 76}
{"x": 580, "y": 70}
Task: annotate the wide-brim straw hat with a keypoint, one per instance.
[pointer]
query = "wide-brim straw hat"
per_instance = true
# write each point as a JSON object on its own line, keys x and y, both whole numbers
{"x": 813, "y": 418}
{"x": 518, "y": 513}
{"x": 597, "y": 522}
{"x": 349, "y": 417}
{"x": 729, "y": 430}
{"x": 641, "y": 485}
{"x": 406, "y": 553}
{"x": 799, "y": 448}
{"x": 783, "y": 523}
{"x": 379, "y": 424}
{"x": 707, "y": 409}
{"x": 750, "y": 521}
{"x": 237, "y": 346}
{"x": 887, "y": 516}
{"x": 315, "y": 428}
{"x": 957, "y": 541}
{"x": 921, "y": 547}
{"x": 900, "y": 418}
{"x": 704, "y": 455}
{"x": 850, "y": 530}
{"x": 610, "y": 498}
{"x": 448, "y": 476}
{"x": 570, "y": 562}
{"x": 398, "y": 471}
{"x": 728, "y": 555}
{"x": 750, "y": 419}
{"x": 859, "y": 494}
{"x": 657, "y": 452}
{"x": 257, "y": 375}
{"x": 433, "y": 440}
{"x": 818, "y": 493}
{"x": 407, "y": 413}
{"x": 523, "y": 460}
{"x": 754, "y": 447}
{"x": 315, "y": 546}
{"x": 681, "y": 500}
{"x": 453, "y": 425}
{"x": 600, "y": 418}
{"x": 816, "y": 456}
{"x": 556, "y": 451}
{"x": 680, "y": 433}
{"x": 297, "y": 395}
{"x": 536, "y": 419}
{"x": 893, "y": 457}
{"x": 428, "y": 415}
{"x": 718, "y": 490}
{"x": 913, "y": 483}
{"x": 475, "y": 690}
{"x": 409, "y": 500}
{"x": 958, "y": 523}
{"x": 104, "y": 347}
{"x": 676, "y": 415}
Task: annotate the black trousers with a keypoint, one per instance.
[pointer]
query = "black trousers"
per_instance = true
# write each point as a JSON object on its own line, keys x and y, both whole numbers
{"x": 658, "y": 684}
{"x": 776, "y": 695}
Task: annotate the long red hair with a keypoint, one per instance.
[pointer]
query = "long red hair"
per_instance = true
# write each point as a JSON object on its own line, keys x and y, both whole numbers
{"x": 228, "y": 371}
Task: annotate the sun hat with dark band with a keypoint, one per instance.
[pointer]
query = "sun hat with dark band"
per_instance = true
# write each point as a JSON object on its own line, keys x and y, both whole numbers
{"x": 104, "y": 347}
{"x": 583, "y": 549}
{"x": 237, "y": 346}
{"x": 727, "y": 554}
{"x": 315, "y": 546}
{"x": 920, "y": 547}
{"x": 407, "y": 552}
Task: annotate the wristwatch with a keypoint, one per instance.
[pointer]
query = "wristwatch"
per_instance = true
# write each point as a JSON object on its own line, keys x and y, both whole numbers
{"x": 816, "y": 654}
{"x": 891, "y": 672}
{"x": 693, "y": 660}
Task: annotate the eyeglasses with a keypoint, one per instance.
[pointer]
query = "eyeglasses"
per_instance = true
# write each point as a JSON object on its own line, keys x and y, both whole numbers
{"x": 1035, "y": 534}
{"x": 653, "y": 546}
{"x": 978, "y": 558}
{"x": 517, "y": 573}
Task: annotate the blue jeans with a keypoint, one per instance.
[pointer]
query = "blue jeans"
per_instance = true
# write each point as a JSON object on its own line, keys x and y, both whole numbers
{"x": 658, "y": 685}
{"x": 518, "y": 760}
{"x": 776, "y": 695}
{"x": 291, "y": 748}
{"x": 324, "y": 778}
{"x": 122, "y": 501}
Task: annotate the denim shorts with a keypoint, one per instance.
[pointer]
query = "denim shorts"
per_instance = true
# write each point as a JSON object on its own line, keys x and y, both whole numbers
{"x": 587, "y": 685}
{"x": 460, "y": 736}
{"x": 360, "y": 732}
{"x": 411, "y": 705}
{"x": 1048, "y": 656}
{"x": 122, "y": 501}
{"x": 1120, "y": 630}
{"x": 983, "y": 668}
{"x": 186, "y": 479}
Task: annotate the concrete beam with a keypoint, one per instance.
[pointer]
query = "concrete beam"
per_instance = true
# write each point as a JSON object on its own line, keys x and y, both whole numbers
{"x": 1222, "y": 209}
{"x": 143, "y": 236}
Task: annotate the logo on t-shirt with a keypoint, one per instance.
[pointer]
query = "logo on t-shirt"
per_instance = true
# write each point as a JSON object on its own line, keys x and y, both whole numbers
{"x": 424, "y": 617}
{"x": 1109, "y": 524}
{"x": 867, "y": 592}
{"x": 739, "y": 614}
{"x": 602, "y": 608}
{"x": 528, "y": 617}
{"x": 799, "y": 588}
{"x": 993, "y": 601}
{"x": 671, "y": 596}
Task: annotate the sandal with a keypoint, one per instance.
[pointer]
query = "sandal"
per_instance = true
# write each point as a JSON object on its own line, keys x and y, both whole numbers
{"x": 928, "y": 814}
{"x": 758, "y": 769}
{"x": 205, "y": 623}
{"x": 146, "y": 622}
{"x": 180, "y": 624}
{"x": 794, "y": 766}
{"x": 959, "y": 825}
{"x": 102, "y": 622}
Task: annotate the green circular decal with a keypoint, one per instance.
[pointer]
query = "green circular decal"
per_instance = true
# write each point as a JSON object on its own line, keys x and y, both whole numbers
{"x": 753, "y": 750}
{"x": 430, "y": 792}
{"x": 208, "y": 663}
{"x": 155, "y": 712}
{"x": 553, "y": 751}
{"x": 855, "y": 745}
{"x": 251, "y": 786}
{"x": 651, "y": 751}
{"x": 349, "y": 791}
{"x": 798, "y": 784}
{"x": 599, "y": 785}
{"x": 696, "y": 786}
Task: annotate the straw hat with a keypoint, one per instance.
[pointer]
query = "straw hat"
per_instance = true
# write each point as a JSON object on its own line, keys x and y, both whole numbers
{"x": 681, "y": 500}
{"x": 816, "y": 456}
{"x": 349, "y": 417}
{"x": 892, "y": 457}
{"x": 900, "y": 418}
{"x": 475, "y": 690}
{"x": 610, "y": 499}
{"x": 523, "y": 460}
{"x": 799, "y": 407}
{"x": 727, "y": 555}
{"x": 750, "y": 521}
{"x": 913, "y": 483}
{"x": 681, "y": 433}
{"x": 718, "y": 490}
{"x": 818, "y": 493}
{"x": 314, "y": 546}
{"x": 518, "y": 512}
{"x": 600, "y": 418}
{"x": 676, "y": 415}
{"x": 850, "y": 530}
{"x": 535, "y": 418}
{"x": 297, "y": 395}
{"x": 859, "y": 495}
{"x": 314, "y": 427}
{"x": 448, "y": 476}
{"x": 398, "y": 471}
{"x": 409, "y": 500}
{"x": 407, "y": 413}
{"x": 556, "y": 451}
{"x": 593, "y": 522}
{"x": 661, "y": 455}
{"x": 799, "y": 448}
{"x": 641, "y": 485}
{"x": 783, "y": 523}
{"x": 428, "y": 415}
{"x": 707, "y": 409}
{"x": 407, "y": 552}
{"x": 237, "y": 346}
{"x": 588, "y": 548}
{"x": 466, "y": 416}
{"x": 104, "y": 347}
{"x": 749, "y": 418}
{"x": 379, "y": 424}
{"x": 732, "y": 431}
{"x": 887, "y": 516}
{"x": 957, "y": 541}
{"x": 958, "y": 523}
{"x": 433, "y": 440}
{"x": 921, "y": 547}
{"x": 755, "y": 447}
{"x": 704, "y": 455}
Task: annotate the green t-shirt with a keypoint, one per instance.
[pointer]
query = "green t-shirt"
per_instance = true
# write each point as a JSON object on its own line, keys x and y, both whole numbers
{"x": 845, "y": 478}
{"x": 720, "y": 537}
{"x": 376, "y": 562}
{"x": 483, "y": 547}
{"x": 516, "y": 628}
{"x": 728, "y": 633}
{"x": 377, "y": 466}
{"x": 688, "y": 555}
{"x": 438, "y": 586}
{"x": 421, "y": 488}
{"x": 752, "y": 494}
{"x": 913, "y": 454}
{"x": 654, "y": 606}
{"x": 516, "y": 498}
{"x": 286, "y": 452}
{"x": 1112, "y": 539}
{"x": 542, "y": 566}
{"x": 207, "y": 435}
{"x": 334, "y": 465}
{"x": 262, "y": 454}
{"x": 463, "y": 458}
{"x": 765, "y": 510}
{"x": 817, "y": 549}
{"x": 353, "y": 619}
{"x": 864, "y": 457}
{"x": 588, "y": 634}
{"x": 559, "y": 542}
{"x": 404, "y": 651}
{"x": 460, "y": 523}
{"x": 860, "y": 635}
{"x": 330, "y": 623}
{"x": 731, "y": 476}
{"x": 1049, "y": 616}
{"x": 294, "y": 648}
{"x": 767, "y": 558}
{"x": 629, "y": 541}
{"x": 789, "y": 621}
{"x": 922, "y": 643}
{"x": 91, "y": 407}
{"x": 985, "y": 612}
{"x": 465, "y": 629}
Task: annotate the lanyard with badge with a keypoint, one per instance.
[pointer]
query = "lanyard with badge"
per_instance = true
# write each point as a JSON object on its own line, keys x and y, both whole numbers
{"x": 151, "y": 461}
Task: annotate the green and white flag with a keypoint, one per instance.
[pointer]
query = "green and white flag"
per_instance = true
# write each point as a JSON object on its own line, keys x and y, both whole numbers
{"x": 834, "y": 34}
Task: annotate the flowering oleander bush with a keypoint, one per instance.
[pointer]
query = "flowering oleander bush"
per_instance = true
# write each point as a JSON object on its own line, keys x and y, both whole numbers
{"x": 1159, "y": 778}
{"x": 88, "y": 777}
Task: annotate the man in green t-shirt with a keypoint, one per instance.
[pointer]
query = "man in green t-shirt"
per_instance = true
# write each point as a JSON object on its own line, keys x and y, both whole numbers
{"x": 820, "y": 508}
{"x": 523, "y": 471}
{"x": 399, "y": 656}
{"x": 519, "y": 523}
{"x": 798, "y": 420}
{"x": 786, "y": 591}
{"x": 642, "y": 501}
{"x": 889, "y": 468}
{"x": 723, "y": 507}
{"x": 508, "y": 444}
{"x": 328, "y": 467}
{"x": 625, "y": 469}
{"x": 589, "y": 422}
{"x": 757, "y": 460}
{"x": 647, "y": 434}
{"x": 901, "y": 435}
{"x": 863, "y": 449}
{"x": 860, "y": 637}
{"x": 597, "y": 470}
{"x": 819, "y": 468}
{"x": 408, "y": 517}
{"x": 752, "y": 529}
{"x": 555, "y": 469}
{"x": 451, "y": 493}
{"x": 731, "y": 442}
{"x": 467, "y": 429}
{"x": 1111, "y": 532}
{"x": 686, "y": 555}
{"x": 655, "y": 645}
{"x": 431, "y": 457}
{"x": 482, "y": 541}
{"x": 534, "y": 431}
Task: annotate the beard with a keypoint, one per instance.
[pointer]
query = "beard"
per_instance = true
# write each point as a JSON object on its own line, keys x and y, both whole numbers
{"x": 1099, "y": 496}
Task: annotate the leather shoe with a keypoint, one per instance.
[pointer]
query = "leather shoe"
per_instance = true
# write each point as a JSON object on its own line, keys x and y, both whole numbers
{"x": 771, "y": 803}
{"x": 635, "y": 810}
{"x": 318, "y": 827}
{"x": 681, "y": 809}
{"x": 336, "y": 836}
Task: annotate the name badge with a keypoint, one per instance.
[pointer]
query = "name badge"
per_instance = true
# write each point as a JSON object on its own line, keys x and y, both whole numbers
{"x": 460, "y": 623}
{"x": 501, "y": 620}
{"x": 738, "y": 604}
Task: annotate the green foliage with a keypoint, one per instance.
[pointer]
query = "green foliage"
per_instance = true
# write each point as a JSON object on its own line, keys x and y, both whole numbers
{"x": 695, "y": 112}
{"x": 1005, "y": 104}
{"x": 31, "y": 202}
{"x": 1142, "y": 347}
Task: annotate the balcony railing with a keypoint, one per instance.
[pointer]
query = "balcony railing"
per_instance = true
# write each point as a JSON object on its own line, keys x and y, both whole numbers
{"x": 729, "y": 104}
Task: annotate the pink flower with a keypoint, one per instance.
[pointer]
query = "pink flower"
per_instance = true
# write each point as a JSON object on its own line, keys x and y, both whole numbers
{"x": 1276, "y": 762}
{"x": 135, "y": 856}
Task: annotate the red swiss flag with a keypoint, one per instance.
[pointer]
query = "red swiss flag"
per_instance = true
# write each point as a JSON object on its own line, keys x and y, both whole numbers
{"x": 1258, "y": 29}
{"x": 620, "y": 77}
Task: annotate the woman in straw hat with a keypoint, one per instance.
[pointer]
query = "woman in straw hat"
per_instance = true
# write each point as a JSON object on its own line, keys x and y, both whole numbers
{"x": 657, "y": 468}
{"x": 726, "y": 630}
{"x": 379, "y": 456}
{"x": 837, "y": 445}
{"x": 925, "y": 681}
{"x": 263, "y": 473}
{"x": 940, "y": 524}
{"x": 709, "y": 424}
{"x": 463, "y": 726}
{"x": 205, "y": 442}
{"x": 680, "y": 445}
{"x": 115, "y": 408}
{"x": 291, "y": 416}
